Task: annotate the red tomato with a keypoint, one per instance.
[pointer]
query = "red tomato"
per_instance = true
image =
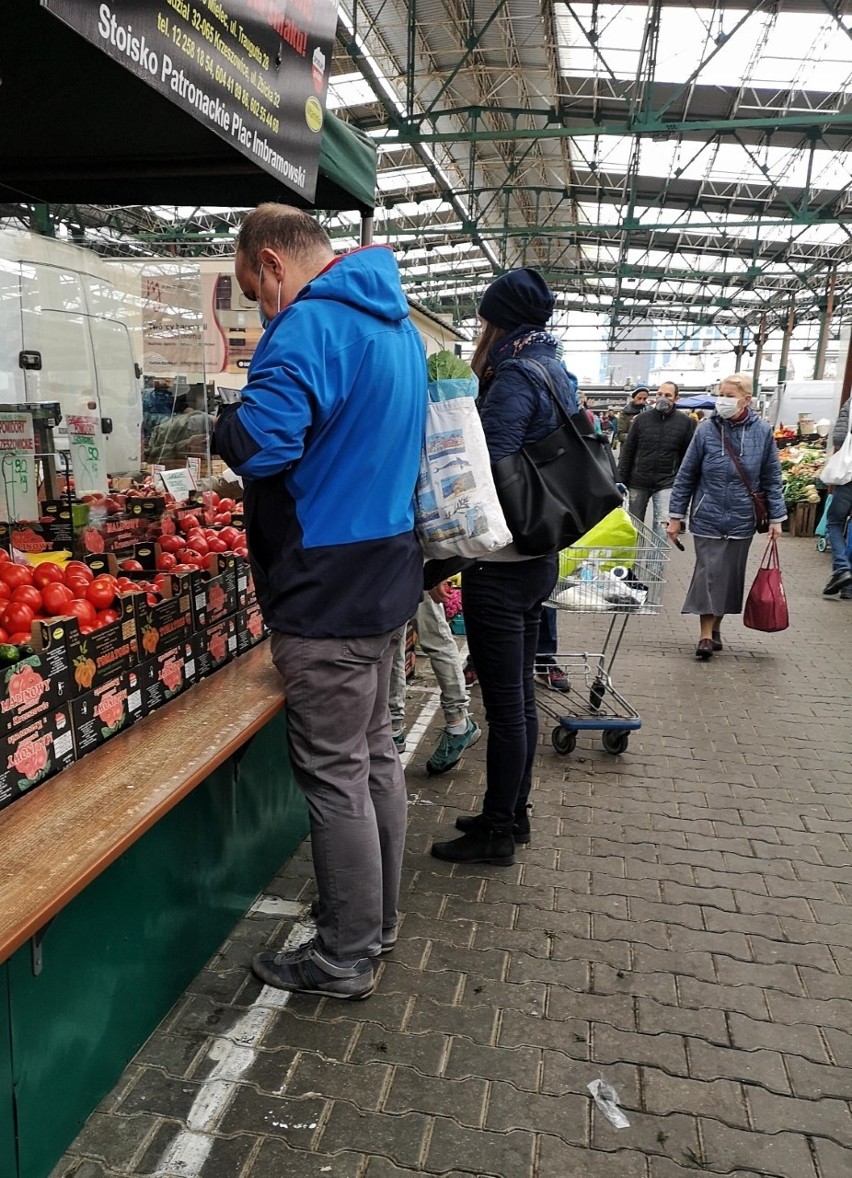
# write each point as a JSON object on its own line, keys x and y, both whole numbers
{"x": 210, "y": 499}
{"x": 197, "y": 542}
{"x": 216, "y": 544}
{"x": 125, "y": 585}
{"x": 17, "y": 616}
{"x": 16, "y": 574}
{"x": 5, "y": 591}
{"x": 4, "y": 637}
{"x": 56, "y": 599}
{"x": 78, "y": 586}
{"x": 22, "y": 637}
{"x": 222, "y": 517}
{"x": 4, "y": 555}
{"x": 188, "y": 524}
{"x": 171, "y": 543}
{"x": 226, "y": 505}
{"x": 231, "y": 536}
{"x": 166, "y": 561}
{"x": 101, "y": 592}
{"x": 241, "y": 550}
{"x": 29, "y": 595}
{"x": 107, "y": 616}
{"x": 76, "y": 568}
{"x": 43, "y": 573}
{"x": 82, "y": 609}
{"x": 87, "y": 628}
{"x": 131, "y": 566}
{"x": 152, "y": 598}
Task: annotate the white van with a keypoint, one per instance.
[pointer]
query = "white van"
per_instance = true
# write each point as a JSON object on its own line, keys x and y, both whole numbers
{"x": 70, "y": 331}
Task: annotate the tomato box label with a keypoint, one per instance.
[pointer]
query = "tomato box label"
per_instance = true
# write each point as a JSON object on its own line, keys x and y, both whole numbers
{"x": 250, "y": 628}
{"x": 111, "y": 707}
{"x": 167, "y": 675}
{"x": 215, "y": 646}
{"x": 168, "y": 623}
{"x": 104, "y": 653}
{"x": 34, "y": 752}
{"x": 246, "y": 595}
{"x": 215, "y": 598}
{"x": 34, "y": 685}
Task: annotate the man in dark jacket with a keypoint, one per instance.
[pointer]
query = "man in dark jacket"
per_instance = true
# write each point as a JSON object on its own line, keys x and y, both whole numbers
{"x": 628, "y": 415}
{"x": 327, "y": 440}
{"x": 651, "y": 454}
{"x": 840, "y": 580}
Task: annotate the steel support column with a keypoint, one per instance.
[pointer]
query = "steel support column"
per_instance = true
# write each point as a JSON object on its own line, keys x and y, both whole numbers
{"x": 826, "y": 311}
{"x": 758, "y": 352}
{"x": 785, "y": 343}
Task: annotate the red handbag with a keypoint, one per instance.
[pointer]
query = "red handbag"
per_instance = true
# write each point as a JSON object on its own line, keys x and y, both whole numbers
{"x": 766, "y": 604}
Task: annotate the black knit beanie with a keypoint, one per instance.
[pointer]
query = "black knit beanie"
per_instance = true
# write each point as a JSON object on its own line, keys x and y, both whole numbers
{"x": 519, "y": 296}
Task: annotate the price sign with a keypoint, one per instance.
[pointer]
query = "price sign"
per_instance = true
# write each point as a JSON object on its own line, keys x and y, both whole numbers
{"x": 178, "y": 483}
{"x": 19, "y": 498}
{"x": 193, "y": 465}
{"x": 86, "y": 455}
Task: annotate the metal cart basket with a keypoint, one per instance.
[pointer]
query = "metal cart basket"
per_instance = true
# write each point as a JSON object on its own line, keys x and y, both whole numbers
{"x": 616, "y": 584}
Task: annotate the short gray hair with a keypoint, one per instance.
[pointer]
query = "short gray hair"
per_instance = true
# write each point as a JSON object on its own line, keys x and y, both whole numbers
{"x": 742, "y": 380}
{"x": 285, "y": 228}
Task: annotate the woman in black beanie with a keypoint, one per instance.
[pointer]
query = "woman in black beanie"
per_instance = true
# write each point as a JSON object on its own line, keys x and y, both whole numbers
{"x": 503, "y": 593}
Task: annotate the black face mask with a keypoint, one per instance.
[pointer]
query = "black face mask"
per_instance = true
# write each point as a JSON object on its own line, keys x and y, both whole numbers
{"x": 664, "y": 406}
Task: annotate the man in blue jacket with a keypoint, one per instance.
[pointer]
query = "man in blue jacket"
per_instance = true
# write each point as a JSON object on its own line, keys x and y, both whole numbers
{"x": 327, "y": 440}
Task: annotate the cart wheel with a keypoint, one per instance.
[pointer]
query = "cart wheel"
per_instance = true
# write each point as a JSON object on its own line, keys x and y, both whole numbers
{"x": 822, "y": 544}
{"x": 563, "y": 740}
{"x": 615, "y": 742}
{"x": 596, "y": 695}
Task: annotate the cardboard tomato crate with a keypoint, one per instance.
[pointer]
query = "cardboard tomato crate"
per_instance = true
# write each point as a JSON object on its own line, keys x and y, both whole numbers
{"x": 215, "y": 594}
{"x": 246, "y": 594}
{"x": 36, "y": 750}
{"x": 111, "y": 707}
{"x": 167, "y": 674}
{"x": 96, "y": 657}
{"x": 250, "y": 628}
{"x": 170, "y": 622}
{"x": 215, "y": 646}
{"x": 38, "y": 683}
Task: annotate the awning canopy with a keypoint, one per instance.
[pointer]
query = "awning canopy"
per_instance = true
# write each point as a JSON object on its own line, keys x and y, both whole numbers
{"x": 78, "y": 128}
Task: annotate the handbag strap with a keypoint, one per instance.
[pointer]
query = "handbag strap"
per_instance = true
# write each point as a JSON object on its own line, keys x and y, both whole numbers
{"x": 770, "y": 560}
{"x": 735, "y": 457}
{"x": 550, "y": 388}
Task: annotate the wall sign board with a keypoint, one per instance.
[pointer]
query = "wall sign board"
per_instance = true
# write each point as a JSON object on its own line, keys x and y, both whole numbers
{"x": 253, "y": 71}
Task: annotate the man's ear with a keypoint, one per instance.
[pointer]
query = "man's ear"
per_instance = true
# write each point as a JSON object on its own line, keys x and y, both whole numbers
{"x": 273, "y": 262}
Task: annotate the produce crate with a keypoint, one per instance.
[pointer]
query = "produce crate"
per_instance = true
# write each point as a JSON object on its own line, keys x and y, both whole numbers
{"x": 167, "y": 675}
{"x": 215, "y": 596}
{"x": 111, "y": 707}
{"x": 250, "y": 627}
{"x": 215, "y": 645}
{"x": 35, "y": 751}
{"x": 105, "y": 653}
{"x": 170, "y": 622}
{"x": 803, "y": 519}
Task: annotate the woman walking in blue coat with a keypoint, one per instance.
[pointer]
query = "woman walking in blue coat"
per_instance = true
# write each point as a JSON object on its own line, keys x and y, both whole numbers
{"x": 503, "y": 593}
{"x": 722, "y": 517}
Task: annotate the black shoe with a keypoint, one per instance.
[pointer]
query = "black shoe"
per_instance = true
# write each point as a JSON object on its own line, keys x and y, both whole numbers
{"x": 307, "y": 970}
{"x": 717, "y": 640}
{"x": 520, "y": 827}
{"x": 494, "y": 845}
{"x": 836, "y": 582}
{"x": 846, "y": 593}
{"x": 704, "y": 649}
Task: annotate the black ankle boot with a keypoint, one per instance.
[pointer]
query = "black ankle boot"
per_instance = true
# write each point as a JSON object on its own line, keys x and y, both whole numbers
{"x": 482, "y": 844}
{"x": 520, "y": 827}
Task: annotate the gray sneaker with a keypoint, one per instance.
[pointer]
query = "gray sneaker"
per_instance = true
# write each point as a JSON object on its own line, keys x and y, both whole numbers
{"x": 450, "y": 747}
{"x": 307, "y": 970}
{"x": 399, "y": 740}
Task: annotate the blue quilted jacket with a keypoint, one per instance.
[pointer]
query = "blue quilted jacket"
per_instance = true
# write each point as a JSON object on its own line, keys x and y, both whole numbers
{"x": 721, "y": 506}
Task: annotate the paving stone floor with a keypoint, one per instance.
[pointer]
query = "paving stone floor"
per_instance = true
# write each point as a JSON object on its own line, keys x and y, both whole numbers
{"x": 680, "y": 926}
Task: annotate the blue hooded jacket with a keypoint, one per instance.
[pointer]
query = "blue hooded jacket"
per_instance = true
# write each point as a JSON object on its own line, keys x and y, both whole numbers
{"x": 327, "y": 439}
{"x": 721, "y": 506}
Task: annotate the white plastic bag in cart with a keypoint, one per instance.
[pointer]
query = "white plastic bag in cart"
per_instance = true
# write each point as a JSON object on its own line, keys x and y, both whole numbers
{"x": 457, "y": 512}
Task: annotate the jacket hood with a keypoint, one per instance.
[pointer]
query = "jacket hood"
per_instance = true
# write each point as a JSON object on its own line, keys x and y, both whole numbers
{"x": 366, "y": 279}
{"x": 631, "y": 408}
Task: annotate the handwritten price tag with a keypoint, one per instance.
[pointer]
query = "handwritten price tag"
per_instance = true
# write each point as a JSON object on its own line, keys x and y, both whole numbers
{"x": 19, "y": 498}
{"x": 84, "y": 443}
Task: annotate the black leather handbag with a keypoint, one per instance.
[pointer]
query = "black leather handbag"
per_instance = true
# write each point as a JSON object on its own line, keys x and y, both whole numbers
{"x": 554, "y": 490}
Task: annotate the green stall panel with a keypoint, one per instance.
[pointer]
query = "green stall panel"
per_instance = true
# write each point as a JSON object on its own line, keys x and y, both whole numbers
{"x": 8, "y": 1153}
{"x": 119, "y": 956}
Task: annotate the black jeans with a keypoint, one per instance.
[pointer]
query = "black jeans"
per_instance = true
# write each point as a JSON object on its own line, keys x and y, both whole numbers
{"x": 502, "y": 609}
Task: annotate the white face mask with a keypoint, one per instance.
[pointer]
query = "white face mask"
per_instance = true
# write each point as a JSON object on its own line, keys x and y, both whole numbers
{"x": 727, "y": 406}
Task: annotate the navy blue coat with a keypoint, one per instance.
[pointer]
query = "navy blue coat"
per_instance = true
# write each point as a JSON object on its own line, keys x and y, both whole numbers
{"x": 514, "y": 404}
{"x": 721, "y": 506}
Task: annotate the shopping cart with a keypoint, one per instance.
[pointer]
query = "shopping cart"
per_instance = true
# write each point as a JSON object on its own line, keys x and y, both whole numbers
{"x": 614, "y": 583}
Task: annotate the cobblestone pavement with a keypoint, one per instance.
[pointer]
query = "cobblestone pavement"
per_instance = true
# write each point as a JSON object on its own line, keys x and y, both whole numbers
{"x": 680, "y": 925}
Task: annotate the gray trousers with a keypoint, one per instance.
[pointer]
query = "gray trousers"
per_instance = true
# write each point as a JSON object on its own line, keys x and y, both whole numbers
{"x": 345, "y": 763}
{"x": 437, "y": 642}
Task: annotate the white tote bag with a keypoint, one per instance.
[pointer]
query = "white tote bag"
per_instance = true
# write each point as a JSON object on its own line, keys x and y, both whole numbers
{"x": 837, "y": 472}
{"x": 457, "y": 512}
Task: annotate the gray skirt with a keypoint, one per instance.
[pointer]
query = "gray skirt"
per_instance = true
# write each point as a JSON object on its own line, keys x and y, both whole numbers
{"x": 718, "y": 579}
